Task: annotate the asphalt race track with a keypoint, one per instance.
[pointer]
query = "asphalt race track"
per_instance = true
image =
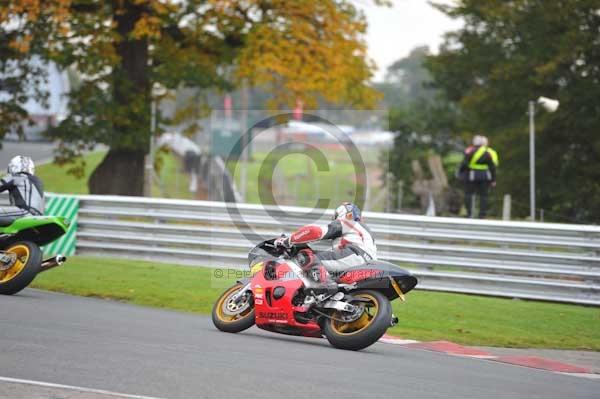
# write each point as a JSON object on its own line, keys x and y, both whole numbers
{"x": 38, "y": 151}
{"x": 106, "y": 345}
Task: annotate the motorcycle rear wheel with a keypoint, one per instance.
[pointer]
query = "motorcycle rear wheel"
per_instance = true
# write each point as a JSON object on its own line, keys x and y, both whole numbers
{"x": 364, "y": 331}
{"x": 26, "y": 266}
{"x": 232, "y": 317}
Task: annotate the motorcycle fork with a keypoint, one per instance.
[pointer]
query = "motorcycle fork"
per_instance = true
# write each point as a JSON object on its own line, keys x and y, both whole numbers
{"x": 241, "y": 292}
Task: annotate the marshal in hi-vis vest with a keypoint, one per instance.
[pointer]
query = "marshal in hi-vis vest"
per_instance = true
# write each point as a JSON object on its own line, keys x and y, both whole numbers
{"x": 473, "y": 163}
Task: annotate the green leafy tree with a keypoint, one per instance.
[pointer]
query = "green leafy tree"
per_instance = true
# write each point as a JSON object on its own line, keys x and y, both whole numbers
{"x": 21, "y": 76}
{"x": 509, "y": 53}
{"x": 407, "y": 80}
{"x": 422, "y": 117}
{"x": 122, "y": 48}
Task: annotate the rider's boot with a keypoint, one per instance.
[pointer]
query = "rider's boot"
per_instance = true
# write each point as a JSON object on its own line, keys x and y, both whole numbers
{"x": 317, "y": 280}
{"x": 320, "y": 282}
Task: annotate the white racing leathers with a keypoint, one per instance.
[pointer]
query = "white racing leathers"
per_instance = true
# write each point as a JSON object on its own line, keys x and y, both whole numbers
{"x": 26, "y": 194}
{"x": 352, "y": 244}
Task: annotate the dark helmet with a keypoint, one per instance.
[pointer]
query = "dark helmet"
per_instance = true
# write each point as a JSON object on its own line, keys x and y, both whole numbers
{"x": 348, "y": 211}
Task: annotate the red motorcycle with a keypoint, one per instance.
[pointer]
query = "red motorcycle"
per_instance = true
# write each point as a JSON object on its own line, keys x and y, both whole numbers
{"x": 277, "y": 297}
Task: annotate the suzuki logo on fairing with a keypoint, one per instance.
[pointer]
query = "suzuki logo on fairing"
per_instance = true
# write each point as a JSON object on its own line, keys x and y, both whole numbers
{"x": 273, "y": 315}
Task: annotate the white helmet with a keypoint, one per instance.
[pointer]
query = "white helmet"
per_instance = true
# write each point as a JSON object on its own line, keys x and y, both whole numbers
{"x": 477, "y": 140}
{"x": 480, "y": 140}
{"x": 347, "y": 210}
{"x": 21, "y": 164}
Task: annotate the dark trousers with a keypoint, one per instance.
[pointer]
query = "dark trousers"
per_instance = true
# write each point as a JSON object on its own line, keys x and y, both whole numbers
{"x": 481, "y": 189}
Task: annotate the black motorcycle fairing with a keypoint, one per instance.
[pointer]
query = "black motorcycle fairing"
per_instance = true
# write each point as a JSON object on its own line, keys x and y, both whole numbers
{"x": 261, "y": 253}
{"x": 267, "y": 251}
{"x": 6, "y": 221}
{"x": 381, "y": 281}
{"x": 41, "y": 235}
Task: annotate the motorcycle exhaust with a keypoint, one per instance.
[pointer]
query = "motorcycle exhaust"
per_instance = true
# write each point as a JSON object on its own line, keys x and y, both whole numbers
{"x": 53, "y": 262}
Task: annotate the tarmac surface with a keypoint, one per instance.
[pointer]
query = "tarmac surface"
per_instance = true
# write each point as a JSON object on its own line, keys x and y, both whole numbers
{"x": 38, "y": 151}
{"x": 72, "y": 347}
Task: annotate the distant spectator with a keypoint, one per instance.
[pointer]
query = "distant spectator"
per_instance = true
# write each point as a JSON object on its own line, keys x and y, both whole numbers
{"x": 478, "y": 172}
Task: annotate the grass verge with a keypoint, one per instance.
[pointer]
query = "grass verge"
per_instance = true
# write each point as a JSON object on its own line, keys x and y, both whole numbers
{"x": 465, "y": 319}
{"x": 56, "y": 179}
{"x": 297, "y": 178}
{"x": 173, "y": 182}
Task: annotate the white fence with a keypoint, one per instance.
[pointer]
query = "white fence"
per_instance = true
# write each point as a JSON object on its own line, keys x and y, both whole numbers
{"x": 543, "y": 261}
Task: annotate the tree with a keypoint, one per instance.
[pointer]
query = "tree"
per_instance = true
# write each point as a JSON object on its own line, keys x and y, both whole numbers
{"x": 424, "y": 120}
{"x": 509, "y": 53}
{"x": 414, "y": 104}
{"x": 309, "y": 50}
{"x": 123, "y": 47}
{"x": 21, "y": 75}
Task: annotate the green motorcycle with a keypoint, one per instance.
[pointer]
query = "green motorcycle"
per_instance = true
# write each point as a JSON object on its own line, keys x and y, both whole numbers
{"x": 20, "y": 253}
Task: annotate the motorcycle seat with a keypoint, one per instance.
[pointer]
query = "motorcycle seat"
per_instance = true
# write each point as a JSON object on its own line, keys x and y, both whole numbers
{"x": 6, "y": 220}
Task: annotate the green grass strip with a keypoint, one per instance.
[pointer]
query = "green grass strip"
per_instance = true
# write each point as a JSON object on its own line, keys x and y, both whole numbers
{"x": 464, "y": 319}
{"x": 57, "y": 180}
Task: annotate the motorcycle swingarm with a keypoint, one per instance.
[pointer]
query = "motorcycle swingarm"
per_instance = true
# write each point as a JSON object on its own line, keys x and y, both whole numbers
{"x": 338, "y": 305}
{"x": 350, "y": 297}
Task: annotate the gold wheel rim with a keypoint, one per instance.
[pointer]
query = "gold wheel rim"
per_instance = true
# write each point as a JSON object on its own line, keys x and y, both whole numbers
{"x": 221, "y": 303}
{"x": 22, "y": 253}
{"x": 358, "y": 325}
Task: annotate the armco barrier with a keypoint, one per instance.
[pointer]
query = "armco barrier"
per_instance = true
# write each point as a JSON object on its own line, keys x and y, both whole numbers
{"x": 66, "y": 206}
{"x": 58, "y": 205}
{"x": 543, "y": 261}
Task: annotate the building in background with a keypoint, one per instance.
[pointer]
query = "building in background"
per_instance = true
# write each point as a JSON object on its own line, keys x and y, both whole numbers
{"x": 55, "y": 110}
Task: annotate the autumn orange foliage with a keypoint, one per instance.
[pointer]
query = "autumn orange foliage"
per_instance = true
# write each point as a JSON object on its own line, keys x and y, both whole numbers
{"x": 307, "y": 50}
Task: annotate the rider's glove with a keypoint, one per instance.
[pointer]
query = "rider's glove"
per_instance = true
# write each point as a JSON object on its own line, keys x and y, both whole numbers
{"x": 283, "y": 241}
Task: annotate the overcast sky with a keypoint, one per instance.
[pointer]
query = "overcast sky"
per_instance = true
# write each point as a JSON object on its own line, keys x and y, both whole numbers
{"x": 394, "y": 31}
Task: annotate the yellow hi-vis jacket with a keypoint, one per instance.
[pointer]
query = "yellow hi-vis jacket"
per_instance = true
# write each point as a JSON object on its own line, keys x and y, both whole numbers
{"x": 473, "y": 163}
{"x": 479, "y": 164}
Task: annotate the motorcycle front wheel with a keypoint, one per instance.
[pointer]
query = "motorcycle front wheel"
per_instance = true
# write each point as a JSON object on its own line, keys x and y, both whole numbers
{"x": 233, "y": 315}
{"x": 364, "y": 330}
{"x": 26, "y": 265}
